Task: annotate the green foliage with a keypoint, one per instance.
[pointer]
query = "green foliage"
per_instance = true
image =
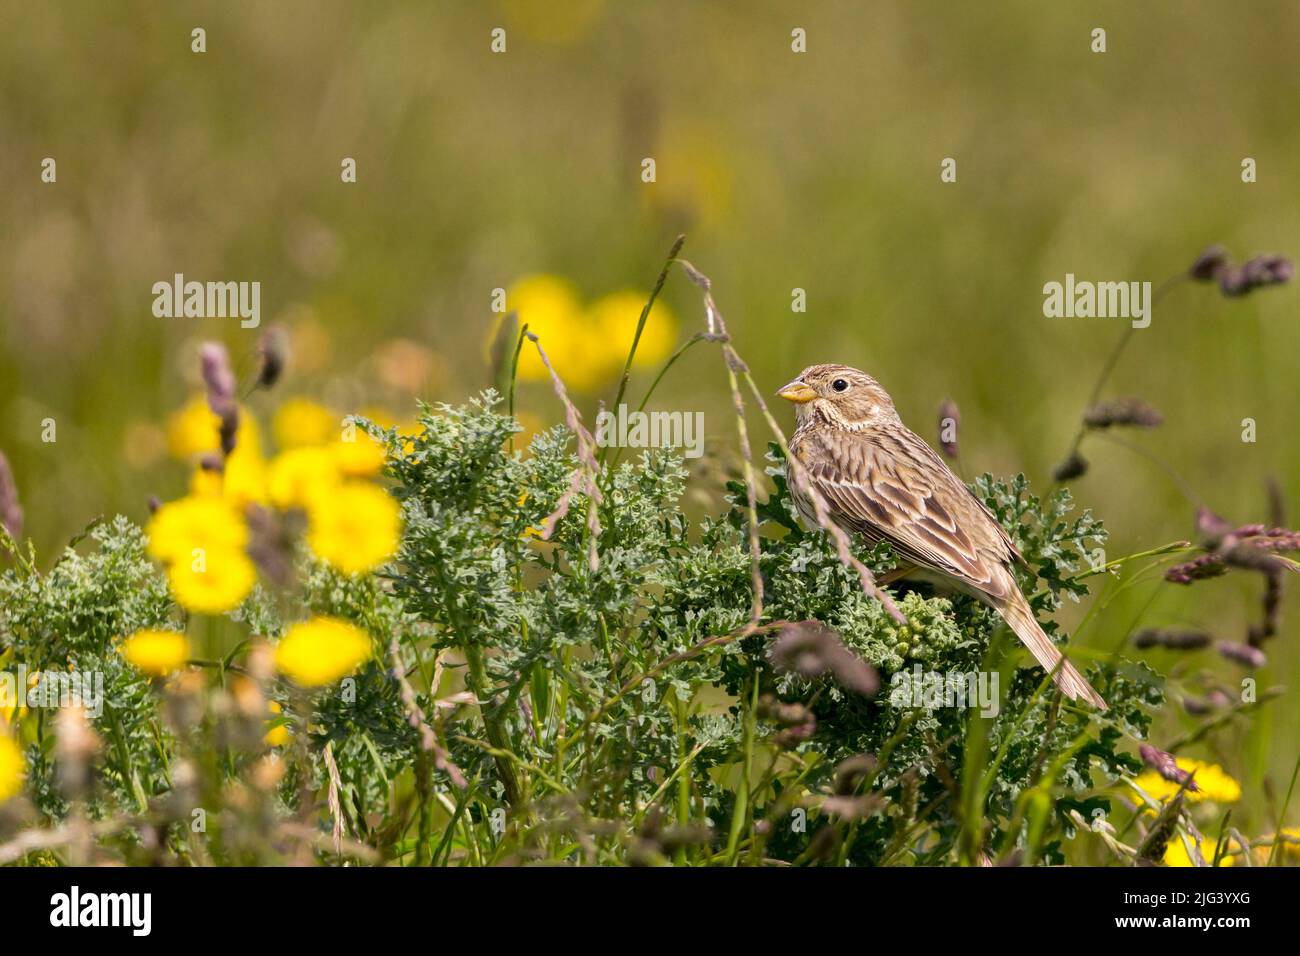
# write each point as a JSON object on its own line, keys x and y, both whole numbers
{"x": 69, "y": 619}
{"x": 599, "y": 684}
{"x": 621, "y": 712}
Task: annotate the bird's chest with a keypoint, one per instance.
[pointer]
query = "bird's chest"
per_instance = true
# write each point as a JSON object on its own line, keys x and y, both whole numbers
{"x": 798, "y": 491}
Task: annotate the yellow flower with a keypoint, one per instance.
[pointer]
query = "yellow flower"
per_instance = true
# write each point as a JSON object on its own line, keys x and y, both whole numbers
{"x": 300, "y": 421}
{"x": 299, "y": 475}
{"x": 195, "y": 429}
{"x": 362, "y": 457}
{"x": 181, "y": 527}
{"x": 212, "y": 582}
{"x": 322, "y": 650}
{"x": 157, "y": 653}
{"x": 532, "y": 531}
{"x": 1176, "y": 853}
{"x": 614, "y": 320}
{"x": 408, "y": 432}
{"x": 355, "y": 528}
{"x": 205, "y": 483}
{"x": 1213, "y": 783}
{"x": 244, "y": 479}
{"x": 550, "y": 307}
{"x": 12, "y": 767}
{"x": 278, "y": 735}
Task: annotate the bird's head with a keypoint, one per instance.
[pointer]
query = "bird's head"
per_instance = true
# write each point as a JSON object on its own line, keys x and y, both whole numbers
{"x": 840, "y": 395}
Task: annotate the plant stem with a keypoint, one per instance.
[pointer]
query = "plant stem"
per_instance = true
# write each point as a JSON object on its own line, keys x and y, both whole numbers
{"x": 1113, "y": 359}
{"x": 1275, "y": 855}
{"x": 424, "y": 788}
{"x": 741, "y": 810}
{"x": 477, "y": 679}
{"x": 640, "y": 325}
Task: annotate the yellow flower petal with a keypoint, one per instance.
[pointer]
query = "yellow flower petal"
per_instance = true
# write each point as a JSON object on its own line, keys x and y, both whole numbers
{"x": 205, "y": 483}
{"x": 550, "y": 306}
{"x": 363, "y": 457}
{"x": 244, "y": 478}
{"x": 614, "y": 319}
{"x": 1176, "y": 853}
{"x": 1213, "y": 783}
{"x": 355, "y": 528}
{"x": 12, "y": 768}
{"x": 195, "y": 430}
{"x": 204, "y": 523}
{"x": 321, "y": 651}
{"x": 212, "y": 582}
{"x": 278, "y": 735}
{"x": 157, "y": 653}
{"x": 300, "y": 421}
{"x": 299, "y": 475}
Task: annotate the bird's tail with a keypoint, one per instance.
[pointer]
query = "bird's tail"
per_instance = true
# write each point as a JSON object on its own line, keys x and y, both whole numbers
{"x": 1017, "y": 613}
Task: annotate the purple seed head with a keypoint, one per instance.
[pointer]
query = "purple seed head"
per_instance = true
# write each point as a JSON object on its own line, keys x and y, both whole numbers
{"x": 1242, "y": 654}
{"x": 1208, "y": 263}
{"x": 274, "y": 349}
{"x": 812, "y": 649}
{"x": 1256, "y": 274}
{"x": 11, "y": 512}
{"x": 1211, "y": 527}
{"x": 1172, "y": 638}
{"x": 217, "y": 376}
{"x": 1164, "y": 764}
{"x": 1122, "y": 411}
{"x": 1076, "y": 466}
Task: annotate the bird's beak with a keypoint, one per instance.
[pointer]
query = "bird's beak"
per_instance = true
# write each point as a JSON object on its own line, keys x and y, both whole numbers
{"x": 798, "y": 392}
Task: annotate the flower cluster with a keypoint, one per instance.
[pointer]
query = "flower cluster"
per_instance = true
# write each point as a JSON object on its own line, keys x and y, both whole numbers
{"x": 587, "y": 345}
{"x": 212, "y": 540}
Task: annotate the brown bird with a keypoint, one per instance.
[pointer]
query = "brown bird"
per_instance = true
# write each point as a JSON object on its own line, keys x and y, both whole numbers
{"x": 879, "y": 479}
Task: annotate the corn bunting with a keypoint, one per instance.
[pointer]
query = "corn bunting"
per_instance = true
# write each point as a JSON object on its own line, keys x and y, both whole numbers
{"x": 876, "y": 477}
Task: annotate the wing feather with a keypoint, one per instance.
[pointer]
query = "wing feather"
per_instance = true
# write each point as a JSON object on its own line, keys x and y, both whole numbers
{"x": 889, "y": 484}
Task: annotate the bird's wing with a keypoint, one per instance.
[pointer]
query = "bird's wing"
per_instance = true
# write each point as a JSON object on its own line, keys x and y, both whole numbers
{"x": 888, "y": 483}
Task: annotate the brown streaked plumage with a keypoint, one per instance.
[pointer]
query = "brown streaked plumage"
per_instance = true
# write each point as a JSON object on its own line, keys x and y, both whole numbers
{"x": 881, "y": 480}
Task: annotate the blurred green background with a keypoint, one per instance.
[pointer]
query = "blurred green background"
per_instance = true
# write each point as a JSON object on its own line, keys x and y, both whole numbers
{"x": 817, "y": 171}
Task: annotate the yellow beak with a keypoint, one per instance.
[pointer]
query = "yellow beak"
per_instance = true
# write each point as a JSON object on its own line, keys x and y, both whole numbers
{"x": 797, "y": 392}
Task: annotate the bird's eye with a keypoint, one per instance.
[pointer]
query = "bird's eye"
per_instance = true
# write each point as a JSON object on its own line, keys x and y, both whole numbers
{"x": 839, "y": 385}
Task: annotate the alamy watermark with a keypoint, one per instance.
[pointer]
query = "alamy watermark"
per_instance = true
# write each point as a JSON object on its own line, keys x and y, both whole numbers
{"x": 134, "y": 911}
{"x": 934, "y": 689}
{"x": 1103, "y": 300}
{"x": 636, "y": 429}
{"x": 50, "y": 689}
{"x": 208, "y": 300}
